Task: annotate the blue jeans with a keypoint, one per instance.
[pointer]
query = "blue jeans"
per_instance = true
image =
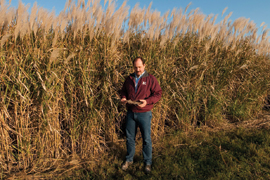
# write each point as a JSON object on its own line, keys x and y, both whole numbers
{"x": 143, "y": 120}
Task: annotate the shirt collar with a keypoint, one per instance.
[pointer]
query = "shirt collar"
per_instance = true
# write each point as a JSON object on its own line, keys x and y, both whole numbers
{"x": 139, "y": 76}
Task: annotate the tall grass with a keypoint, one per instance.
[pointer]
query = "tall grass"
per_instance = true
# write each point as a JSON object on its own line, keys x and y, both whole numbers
{"x": 60, "y": 76}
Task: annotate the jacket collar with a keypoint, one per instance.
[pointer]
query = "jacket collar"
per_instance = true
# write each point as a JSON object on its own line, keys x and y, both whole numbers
{"x": 144, "y": 75}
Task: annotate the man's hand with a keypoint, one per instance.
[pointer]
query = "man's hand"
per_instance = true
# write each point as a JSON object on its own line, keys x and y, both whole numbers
{"x": 123, "y": 100}
{"x": 143, "y": 103}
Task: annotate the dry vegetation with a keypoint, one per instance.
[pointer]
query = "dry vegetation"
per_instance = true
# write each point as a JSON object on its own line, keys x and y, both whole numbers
{"x": 60, "y": 76}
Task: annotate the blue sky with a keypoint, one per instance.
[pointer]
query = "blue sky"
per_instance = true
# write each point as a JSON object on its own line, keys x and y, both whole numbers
{"x": 256, "y": 10}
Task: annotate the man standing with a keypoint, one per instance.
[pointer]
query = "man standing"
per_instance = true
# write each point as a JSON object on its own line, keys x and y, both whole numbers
{"x": 142, "y": 87}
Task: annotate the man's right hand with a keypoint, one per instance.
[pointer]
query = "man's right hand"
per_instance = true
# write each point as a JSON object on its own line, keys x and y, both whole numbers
{"x": 123, "y": 100}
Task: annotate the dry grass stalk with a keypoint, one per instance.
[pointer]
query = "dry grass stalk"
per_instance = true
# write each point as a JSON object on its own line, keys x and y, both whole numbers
{"x": 72, "y": 55}
{"x": 54, "y": 55}
{"x": 4, "y": 39}
{"x": 224, "y": 10}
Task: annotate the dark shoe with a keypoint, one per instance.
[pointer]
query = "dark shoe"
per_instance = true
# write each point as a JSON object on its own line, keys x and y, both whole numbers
{"x": 147, "y": 169}
{"x": 126, "y": 164}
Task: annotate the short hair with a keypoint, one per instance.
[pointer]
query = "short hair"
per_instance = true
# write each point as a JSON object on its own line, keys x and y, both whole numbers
{"x": 135, "y": 59}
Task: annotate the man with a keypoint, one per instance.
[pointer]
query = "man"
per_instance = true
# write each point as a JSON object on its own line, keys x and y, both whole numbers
{"x": 142, "y": 87}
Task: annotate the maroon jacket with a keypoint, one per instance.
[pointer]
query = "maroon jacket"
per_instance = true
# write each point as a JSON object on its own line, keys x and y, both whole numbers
{"x": 148, "y": 89}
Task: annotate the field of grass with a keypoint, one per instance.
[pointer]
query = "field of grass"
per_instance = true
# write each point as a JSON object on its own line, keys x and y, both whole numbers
{"x": 60, "y": 76}
{"x": 239, "y": 153}
{"x": 236, "y": 152}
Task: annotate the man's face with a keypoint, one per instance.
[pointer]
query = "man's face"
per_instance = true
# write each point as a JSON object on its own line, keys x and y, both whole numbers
{"x": 138, "y": 67}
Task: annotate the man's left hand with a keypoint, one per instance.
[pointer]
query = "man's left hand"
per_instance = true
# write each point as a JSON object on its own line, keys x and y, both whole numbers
{"x": 143, "y": 103}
